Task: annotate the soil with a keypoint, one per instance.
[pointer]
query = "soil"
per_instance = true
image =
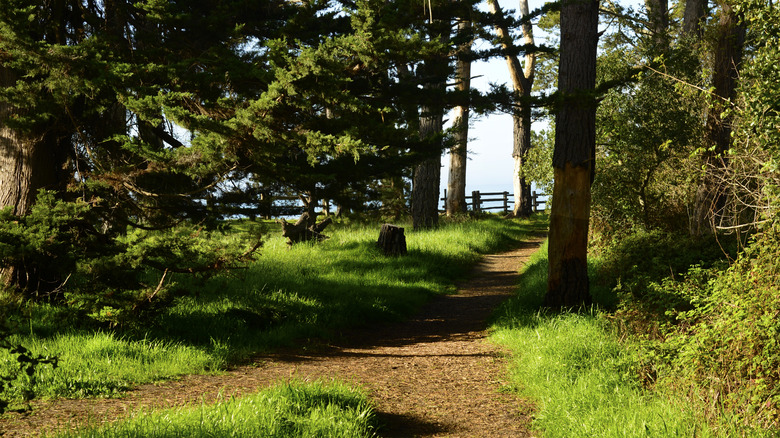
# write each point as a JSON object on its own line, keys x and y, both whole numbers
{"x": 435, "y": 375}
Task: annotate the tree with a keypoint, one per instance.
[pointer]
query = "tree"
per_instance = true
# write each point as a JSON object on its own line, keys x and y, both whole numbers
{"x": 144, "y": 115}
{"x": 456, "y": 183}
{"x": 573, "y": 157}
{"x": 522, "y": 76}
{"x": 433, "y": 74}
{"x": 711, "y": 197}
{"x": 648, "y": 127}
{"x": 427, "y": 175}
{"x": 693, "y": 17}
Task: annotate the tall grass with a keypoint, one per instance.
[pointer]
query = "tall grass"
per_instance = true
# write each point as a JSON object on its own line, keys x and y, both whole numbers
{"x": 289, "y": 295}
{"x": 583, "y": 380}
{"x": 295, "y": 409}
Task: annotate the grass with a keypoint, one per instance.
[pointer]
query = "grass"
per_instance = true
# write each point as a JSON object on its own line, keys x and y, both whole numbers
{"x": 583, "y": 380}
{"x": 289, "y": 296}
{"x": 311, "y": 409}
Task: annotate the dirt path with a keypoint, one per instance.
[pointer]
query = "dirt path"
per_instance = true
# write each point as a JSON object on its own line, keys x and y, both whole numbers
{"x": 433, "y": 376}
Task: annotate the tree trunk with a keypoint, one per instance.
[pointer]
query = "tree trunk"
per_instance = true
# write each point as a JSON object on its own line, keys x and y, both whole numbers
{"x": 522, "y": 77}
{"x": 29, "y": 162}
{"x": 426, "y": 179}
{"x": 658, "y": 18}
{"x": 573, "y": 157}
{"x": 456, "y": 183}
{"x": 710, "y": 197}
{"x": 693, "y": 16}
{"x": 522, "y": 144}
{"x": 427, "y": 175}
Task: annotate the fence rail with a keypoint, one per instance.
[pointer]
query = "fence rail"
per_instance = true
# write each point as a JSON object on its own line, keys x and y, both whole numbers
{"x": 480, "y": 201}
{"x": 279, "y": 206}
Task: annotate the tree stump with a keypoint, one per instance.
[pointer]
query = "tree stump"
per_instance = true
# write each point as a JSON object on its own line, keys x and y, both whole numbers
{"x": 392, "y": 240}
{"x": 304, "y": 229}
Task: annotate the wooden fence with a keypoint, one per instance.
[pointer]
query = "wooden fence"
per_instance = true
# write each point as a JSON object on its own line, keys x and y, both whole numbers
{"x": 479, "y": 201}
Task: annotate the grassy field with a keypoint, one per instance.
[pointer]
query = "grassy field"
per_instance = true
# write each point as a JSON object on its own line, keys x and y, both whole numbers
{"x": 289, "y": 296}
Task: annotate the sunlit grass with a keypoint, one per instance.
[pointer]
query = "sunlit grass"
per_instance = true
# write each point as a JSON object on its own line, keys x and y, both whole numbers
{"x": 583, "y": 381}
{"x": 296, "y": 409}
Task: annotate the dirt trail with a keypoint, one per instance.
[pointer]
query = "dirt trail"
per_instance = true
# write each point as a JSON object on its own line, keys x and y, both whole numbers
{"x": 432, "y": 376}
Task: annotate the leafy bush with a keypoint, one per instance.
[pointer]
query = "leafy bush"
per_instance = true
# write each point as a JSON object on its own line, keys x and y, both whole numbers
{"x": 637, "y": 264}
{"x": 61, "y": 251}
{"x": 702, "y": 326}
{"x": 729, "y": 343}
{"x": 18, "y": 371}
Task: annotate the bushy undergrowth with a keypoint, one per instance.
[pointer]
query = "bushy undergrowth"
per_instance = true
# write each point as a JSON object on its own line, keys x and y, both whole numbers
{"x": 289, "y": 295}
{"x": 707, "y": 328}
{"x": 295, "y": 409}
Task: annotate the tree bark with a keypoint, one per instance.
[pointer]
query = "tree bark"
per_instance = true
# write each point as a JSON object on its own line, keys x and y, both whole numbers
{"x": 573, "y": 157}
{"x": 658, "y": 17}
{"x": 456, "y": 183}
{"x": 710, "y": 198}
{"x": 522, "y": 76}
{"x": 29, "y": 162}
{"x": 426, "y": 179}
{"x": 523, "y": 206}
{"x": 427, "y": 175}
{"x": 693, "y": 16}
{"x": 392, "y": 240}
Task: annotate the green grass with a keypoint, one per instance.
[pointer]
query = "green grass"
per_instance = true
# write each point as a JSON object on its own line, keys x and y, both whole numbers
{"x": 288, "y": 297}
{"x": 295, "y": 409}
{"x": 584, "y": 382}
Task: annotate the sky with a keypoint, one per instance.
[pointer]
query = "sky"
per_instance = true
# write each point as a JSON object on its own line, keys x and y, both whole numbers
{"x": 490, "y": 165}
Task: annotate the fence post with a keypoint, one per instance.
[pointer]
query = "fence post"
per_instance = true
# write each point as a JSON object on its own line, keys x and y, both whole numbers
{"x": 475, "y": 202}
{"x": 536, "y": 202}
{"x": 506, "y": 203}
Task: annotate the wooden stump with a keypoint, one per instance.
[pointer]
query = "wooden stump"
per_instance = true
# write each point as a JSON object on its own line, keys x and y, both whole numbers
{"x": 304, "y": 229}
{"x": 392, "y": 240}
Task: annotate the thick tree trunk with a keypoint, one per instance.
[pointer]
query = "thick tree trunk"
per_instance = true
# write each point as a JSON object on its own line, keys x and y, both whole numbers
{"x": 29, "y": 162}
{"x": 693, "y": 16}
{"x": 426, "y": 176}
{"x": 573, "y": 157}
{"x": 426, "y": 179}
{"x": 658, "y": 18}
{"x": 456, "y": 183}
{"x": 568, "y": 284}
{"x": 710, "y": 197}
